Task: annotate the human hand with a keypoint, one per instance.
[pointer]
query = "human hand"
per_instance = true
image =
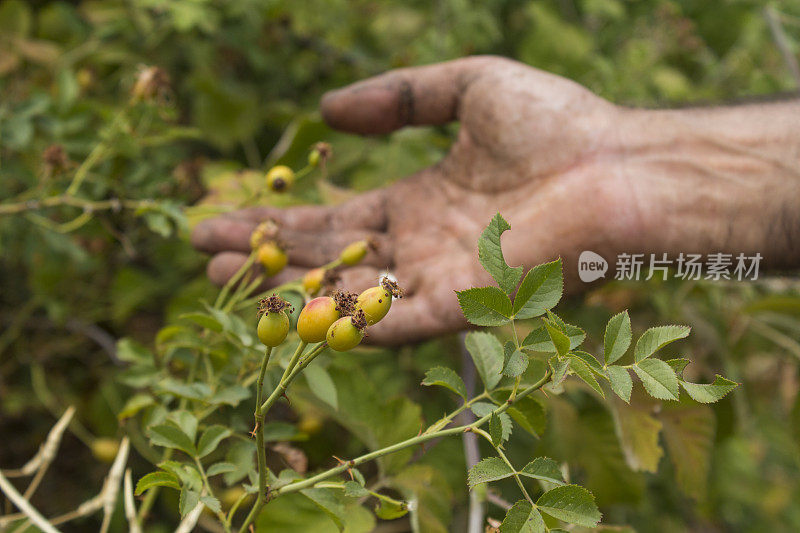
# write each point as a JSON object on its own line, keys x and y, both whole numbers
{"x": 541, "y": 149}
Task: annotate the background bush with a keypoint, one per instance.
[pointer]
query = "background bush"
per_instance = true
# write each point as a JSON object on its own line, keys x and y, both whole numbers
{"x": 244, "y": 81}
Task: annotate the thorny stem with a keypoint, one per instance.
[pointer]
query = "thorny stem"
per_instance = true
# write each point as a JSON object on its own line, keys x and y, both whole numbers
{"x": 497, "y": 449}
{"x": 419, "y": 439}
{"x": 292, "y": 369}
{"x": 446, "y": 419}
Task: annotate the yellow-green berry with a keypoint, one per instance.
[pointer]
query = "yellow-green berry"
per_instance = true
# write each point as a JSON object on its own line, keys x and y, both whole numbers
{"x": 347, "y": 333}
{"x": 354, "y": 253}
{"x": 280, "y": 178}
{"x": 272, "y": 257}
{"x": 273, "y": 326}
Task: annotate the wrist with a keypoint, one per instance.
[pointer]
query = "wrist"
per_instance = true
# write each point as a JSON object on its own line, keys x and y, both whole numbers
{"x": 715, "y": 180}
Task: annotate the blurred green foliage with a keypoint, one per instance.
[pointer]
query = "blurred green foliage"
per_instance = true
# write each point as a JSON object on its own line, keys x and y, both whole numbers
{"x": 244, "y": 81}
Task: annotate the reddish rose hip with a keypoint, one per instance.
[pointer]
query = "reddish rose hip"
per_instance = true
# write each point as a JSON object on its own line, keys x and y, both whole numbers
{"x": 315, "y": 319}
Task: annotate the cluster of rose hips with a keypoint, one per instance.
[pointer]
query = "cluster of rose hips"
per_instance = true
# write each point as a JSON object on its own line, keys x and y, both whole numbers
{"x": 340, "y": 319}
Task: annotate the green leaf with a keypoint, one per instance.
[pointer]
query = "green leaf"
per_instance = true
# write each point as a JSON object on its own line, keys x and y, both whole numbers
{"x": 621, "y": 382}
{"x": 485, "y": 306}
{"x": 221, "y": 468}
{"x": 658, "y": 378}
{"x": 490, "y": 253}
{"x": 545, "y": 469}
{"x": 203, "y": 320}
{"x": 481, "y": 409}
{"x": 515, "y": 362}
{"x": 487, "y": 353}
{"x": 489, "y": 469}
{"x": 689, "y": 438}
{"x": 191, "y": 391}
{"x": 321, "y": 384}
{"x": 211, "y": 438}
{"x": 591, "y": 361}
{"x": 390, "y": 510}
{"x": 353, "y": 489}
{"x": 131, "y": 351}
{"x": 170, "y": 436}
{"x": 538, "y": 340}
{"x": 242, "y": 454}
{"x": 495, "y": 430}
{"x": 156, "y": 479}
{"x": 540, "y": 290}
{"x": 328, "y": 502}
{"x": 656, "y": 338}
{"x": 188, "y": 500}
{"x": 558, "y": 338}
{"x": 711, "y": 392}
{"x": 678, "y": 365}
{"x": 135, "y": 404}
{"x": 530, "y": 414}
{"x": 186, "y": 421}
{"x": 570, "y": 503}
{"x": 445, "y": 377}
{"x": 212, "y": 503}
{"x": 559, "y": 368}
{"x": 232, "y": 395}
{"x": 582, "y": 370}
{"x": 638, "y": 433}
{"x": 523, "y": 518}
{"x": 617, "y": 338}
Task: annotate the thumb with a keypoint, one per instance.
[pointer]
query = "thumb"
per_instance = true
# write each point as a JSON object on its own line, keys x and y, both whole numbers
{"x": 428, "y": 95}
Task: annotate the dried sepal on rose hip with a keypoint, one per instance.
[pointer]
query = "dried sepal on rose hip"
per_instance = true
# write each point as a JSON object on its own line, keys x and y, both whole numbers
{"x": 355, "y": 252}
{"x": 266, "y": 231}
{"x": 347, "y": 332}
{"x": 317, "y": 278}
{"x": 280, "y": 178}
{"x": 376, "y": 301}
{"x": 273, "y": 326}
{"x": 320, "y": 153}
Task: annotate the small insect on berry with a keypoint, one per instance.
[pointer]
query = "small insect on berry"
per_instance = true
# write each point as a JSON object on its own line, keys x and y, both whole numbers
{"x": 355, "y": 252}
{"x": 347, "y": 333}
{"x": 376, "y": 301}
{"x": 273, "y": 326}
{"x": 280, "y": 178}
{"x": 272, "y": 257}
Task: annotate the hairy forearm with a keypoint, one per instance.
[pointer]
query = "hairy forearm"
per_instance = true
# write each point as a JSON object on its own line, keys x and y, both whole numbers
{"x": 721, "y": 179}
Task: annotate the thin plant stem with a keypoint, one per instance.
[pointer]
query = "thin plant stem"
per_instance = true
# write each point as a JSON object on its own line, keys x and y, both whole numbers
{"x": 282, "y": 385}
{"x": 230, "y": 283}
{"x": 419, "y": 439}
{"x": 497, "y": 449}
